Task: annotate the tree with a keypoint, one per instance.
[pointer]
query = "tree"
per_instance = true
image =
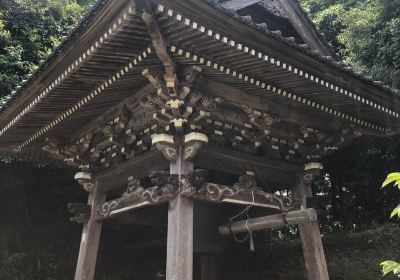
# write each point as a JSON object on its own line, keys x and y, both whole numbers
{"x": 365, "y": 33}
{"x": 29, "y": 31}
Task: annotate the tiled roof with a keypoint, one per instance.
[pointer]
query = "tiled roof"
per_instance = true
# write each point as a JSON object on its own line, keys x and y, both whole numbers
{"x": 277, "y": 34}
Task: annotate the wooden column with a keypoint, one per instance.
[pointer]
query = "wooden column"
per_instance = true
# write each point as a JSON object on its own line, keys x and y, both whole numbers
{"x": 180, "y": 227}
{"x": 86, "y": 265}
{"x": 310, "y": 235}
{"x": 208, "y": 269}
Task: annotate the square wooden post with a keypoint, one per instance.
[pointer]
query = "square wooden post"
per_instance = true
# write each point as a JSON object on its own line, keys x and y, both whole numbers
{"x": 180, "y": 228}
{"x": 86, "y": 265}
{"x": 310, "y": 235}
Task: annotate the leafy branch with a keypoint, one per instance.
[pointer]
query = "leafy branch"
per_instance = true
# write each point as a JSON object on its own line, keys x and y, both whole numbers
{"x": 392, "y": 179}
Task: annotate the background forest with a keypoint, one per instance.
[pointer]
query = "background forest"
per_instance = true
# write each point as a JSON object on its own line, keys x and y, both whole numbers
{"x": 38, "y": 242}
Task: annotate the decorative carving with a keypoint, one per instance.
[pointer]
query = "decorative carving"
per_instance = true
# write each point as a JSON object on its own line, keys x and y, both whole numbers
{"x": 247, "y": 182}
{"x": 165, "y": 144}
{"x": 80, "y": 211}
{"x": 169, "y": 151}
{"x": 52, "y": 147}
{"x": 154, "y": 80}
{"x": 217, "y": 193}
{"x": 137, "y": 198}
{"x": 235, "y": 194}
{"x": 134, "y": 187}
{"x": 85, "y": 179}
{"x": 193, "y": 142}
{"x": 107, "y": 207}
{"x": 192, "y": 75}
{"x": 311, "y": 170}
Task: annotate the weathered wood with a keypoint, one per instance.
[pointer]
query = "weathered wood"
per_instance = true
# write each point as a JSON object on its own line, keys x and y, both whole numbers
{"x": 269, "y": 222}
{"x": 86, "y": 265}
{"x": 150, "y": 197}
{"x": 208, "y": 267}
{"x": 136, "y": 197}
{"x": 314, "y": 256}
{"x": 140, "y": 166}
{"x": 292, "y": 113}
{"x": 229, "y": 161}
{"x": 310, "y": 235}
{"x": 304, "y": 26}
{"x": 237, "y": 194}
{"x": 180, "y": 239}
{"x": 180, "y": 230}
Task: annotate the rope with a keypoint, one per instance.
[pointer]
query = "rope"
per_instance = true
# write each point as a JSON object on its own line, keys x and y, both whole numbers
{"x": 245, "y": 212}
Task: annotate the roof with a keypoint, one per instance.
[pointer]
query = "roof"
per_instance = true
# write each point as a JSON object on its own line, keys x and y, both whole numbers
{"x": 100, "y": 64}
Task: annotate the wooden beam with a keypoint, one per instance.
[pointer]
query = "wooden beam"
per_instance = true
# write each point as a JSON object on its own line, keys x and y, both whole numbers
{"x": 86, "y": 265}
{"x": 269, "y": 222}
{"x": 201, "y": 12}
{"x": 180, "y": 229}
{"x": 225, "y": 160}
{"x": 146, "y": 197}
{"x": 237, "y": 194}
{"x": 159, "y": 42}
{"x": 71, "y": 51}
{"x": 113, "y": 112}
{"x": 294, "y": 113}
{"x": 310, "y": 235}
{"x": 138, "y": 166}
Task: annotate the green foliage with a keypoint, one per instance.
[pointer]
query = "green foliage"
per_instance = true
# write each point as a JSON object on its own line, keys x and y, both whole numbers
{"x": 391, "y": 266}
{"x": 29, "y": 30}
{"x": 366, "y": 33}
{"x": 392, "y": 178}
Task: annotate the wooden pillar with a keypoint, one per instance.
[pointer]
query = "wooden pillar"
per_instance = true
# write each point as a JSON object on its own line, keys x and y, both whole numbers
{"x": 180, "y": 227}
{"x": 86, "y": 265}
{"x": 310, "y": 235}
{"x": 208, "y": 269}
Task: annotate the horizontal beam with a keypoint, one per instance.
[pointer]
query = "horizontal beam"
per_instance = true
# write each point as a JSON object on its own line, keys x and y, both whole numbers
{"x": 139, "y": 199}
{"x": 138, "y": 166}
{"x": 293, "y": 113}
{"x": 212, "y": 157}
{"x": 268, "y": 222}
{"x": 215, "y": 193}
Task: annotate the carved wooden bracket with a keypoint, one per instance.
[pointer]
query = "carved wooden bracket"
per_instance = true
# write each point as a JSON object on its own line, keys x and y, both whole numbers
{"x": 169, "y": 145}
{"x": 311, "y": 170}
{"x": 85, "y": 179}
{"x": 80, "y": 211}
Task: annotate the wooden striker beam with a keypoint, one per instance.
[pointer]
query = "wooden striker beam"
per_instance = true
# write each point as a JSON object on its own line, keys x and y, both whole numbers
{"x": 268, "y": 222}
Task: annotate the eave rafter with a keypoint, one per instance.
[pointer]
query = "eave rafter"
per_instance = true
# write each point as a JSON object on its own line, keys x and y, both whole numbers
{"x": 180, "y": 107}
{"x": 184, "y": 100}
{"x": 71, "y": 69}
{"x": 236, "y": 50}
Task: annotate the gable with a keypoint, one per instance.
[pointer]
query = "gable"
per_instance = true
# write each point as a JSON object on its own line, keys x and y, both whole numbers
{"x": 287, "y": 16}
